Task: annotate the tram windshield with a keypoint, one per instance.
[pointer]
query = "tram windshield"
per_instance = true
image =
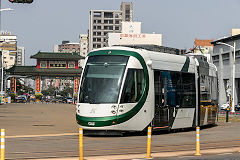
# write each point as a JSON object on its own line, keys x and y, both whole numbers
{"x": 102, "y": 79}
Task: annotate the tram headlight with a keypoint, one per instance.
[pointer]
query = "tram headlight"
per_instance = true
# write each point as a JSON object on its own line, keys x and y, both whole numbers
{"x": 121, "y": 110}
{"x": 122, "y": 106}
{"x": 113, "y": 112}
{"x": 114, "y": 107}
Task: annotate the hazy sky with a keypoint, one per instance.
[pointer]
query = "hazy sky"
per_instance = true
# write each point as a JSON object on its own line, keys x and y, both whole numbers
{"x": 44, "y": 23}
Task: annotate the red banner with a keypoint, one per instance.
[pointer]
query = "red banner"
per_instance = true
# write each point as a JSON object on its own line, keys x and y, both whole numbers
{"x": 13, "y": 85}
{"x": 38, "y": 84}
{"x": 76, "y": 84}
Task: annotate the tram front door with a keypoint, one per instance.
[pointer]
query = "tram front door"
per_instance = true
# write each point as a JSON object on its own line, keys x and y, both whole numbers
{"x": 161, "y": 115}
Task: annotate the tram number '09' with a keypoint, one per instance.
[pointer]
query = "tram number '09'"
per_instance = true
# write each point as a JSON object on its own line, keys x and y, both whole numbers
{"x": 91, "y": 123}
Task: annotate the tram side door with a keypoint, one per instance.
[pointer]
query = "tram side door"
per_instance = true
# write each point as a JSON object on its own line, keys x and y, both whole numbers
{"x": 161, "y": 115}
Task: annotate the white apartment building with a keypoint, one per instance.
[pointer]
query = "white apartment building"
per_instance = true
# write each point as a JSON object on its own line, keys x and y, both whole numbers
{"x": 8, "y": 59}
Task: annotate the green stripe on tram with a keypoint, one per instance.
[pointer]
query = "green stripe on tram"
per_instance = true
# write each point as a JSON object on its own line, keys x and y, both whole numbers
{"x": 113, "y": 120}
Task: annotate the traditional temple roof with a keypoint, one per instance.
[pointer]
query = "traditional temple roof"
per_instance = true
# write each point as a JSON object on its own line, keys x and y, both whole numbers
{"x": 33, "y": 71}
{"x": 57, "y": 55}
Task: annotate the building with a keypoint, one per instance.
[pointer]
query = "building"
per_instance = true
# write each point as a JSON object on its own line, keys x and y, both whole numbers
{"x": 127, "y": 11}
{"x": 222, "y": 57}
{"x": 57, "y": 66}
{"x": 8, "y": 46}
{"x": 8, "y": 59}
{"x": 102, "y": 22}
{"x": 131, "y": 35}
{"x": 20, "y": 59}
{"x": 67, "y": 47}
{"x": 83, "y": 47}
{"x": 203, "y": 45}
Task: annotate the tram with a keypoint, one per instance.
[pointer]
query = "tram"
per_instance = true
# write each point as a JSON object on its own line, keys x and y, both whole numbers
{"x": 128, "y": 89}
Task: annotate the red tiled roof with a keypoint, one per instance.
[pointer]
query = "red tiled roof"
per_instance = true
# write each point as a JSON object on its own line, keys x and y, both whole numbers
{"x": 201, "y": 42}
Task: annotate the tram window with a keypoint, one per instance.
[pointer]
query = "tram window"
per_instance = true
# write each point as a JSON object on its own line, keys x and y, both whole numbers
{"x": 102, "y": 79}
{"x": 133, "y": 87}
{"x": 188, "y": 90}
{"x": 174, "y": 89}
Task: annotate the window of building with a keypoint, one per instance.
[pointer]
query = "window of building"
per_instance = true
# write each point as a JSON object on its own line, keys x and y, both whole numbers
{"x": 99, "y": 21}
{"x": 43, "y": 64}
{"x": 97, "y": 14}
{"x": 108, "y": 14}
{"x": 57, "y": 64}
{"x": 225, "y": 56}
{"x": 71, "y": 64}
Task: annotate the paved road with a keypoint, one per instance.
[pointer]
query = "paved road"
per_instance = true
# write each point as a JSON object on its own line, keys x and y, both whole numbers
{"x": 50, "y": 130}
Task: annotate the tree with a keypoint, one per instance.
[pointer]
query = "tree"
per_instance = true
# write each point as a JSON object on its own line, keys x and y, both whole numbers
{"x": 66, "y": 91}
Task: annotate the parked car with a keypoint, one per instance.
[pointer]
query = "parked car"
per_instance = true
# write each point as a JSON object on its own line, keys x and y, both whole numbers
{"x": 237, "y": 107}
{"x": 69, "y": 100}
{"x": 224, "y": 106}
{"x": 21, "y": 99}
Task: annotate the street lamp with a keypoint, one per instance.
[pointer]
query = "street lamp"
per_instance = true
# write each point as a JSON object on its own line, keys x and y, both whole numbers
{"x": 233, "y": 72}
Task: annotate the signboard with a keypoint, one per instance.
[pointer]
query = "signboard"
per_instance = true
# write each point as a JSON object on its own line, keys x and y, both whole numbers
{"x": 133, "y": 35}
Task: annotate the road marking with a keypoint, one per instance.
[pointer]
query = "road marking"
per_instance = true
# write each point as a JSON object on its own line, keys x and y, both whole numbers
{"x": 224, "y": 154}
{"x": 185, "y": 157}
{"x": 42, "y": 135}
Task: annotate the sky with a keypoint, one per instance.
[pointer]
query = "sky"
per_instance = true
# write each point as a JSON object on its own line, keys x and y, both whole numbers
{"x": 44, "y": 23}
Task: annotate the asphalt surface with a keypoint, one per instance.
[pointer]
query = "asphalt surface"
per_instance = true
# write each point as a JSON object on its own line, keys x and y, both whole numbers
{"x": 41, "y": 131}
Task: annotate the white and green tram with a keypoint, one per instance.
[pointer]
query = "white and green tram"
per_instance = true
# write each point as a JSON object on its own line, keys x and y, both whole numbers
{"x": 128, "y": 89}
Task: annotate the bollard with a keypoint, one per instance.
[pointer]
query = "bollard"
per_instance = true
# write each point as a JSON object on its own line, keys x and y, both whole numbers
{"x": 2, "y": 144}
{"x": 227, "y": 113}
{"x": 149, "y": 143}
{"x": 197, "y": 141}
{"x": 80, "y": 144}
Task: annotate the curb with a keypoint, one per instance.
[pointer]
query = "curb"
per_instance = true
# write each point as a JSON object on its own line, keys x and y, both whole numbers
{"x": 154, "y": 155}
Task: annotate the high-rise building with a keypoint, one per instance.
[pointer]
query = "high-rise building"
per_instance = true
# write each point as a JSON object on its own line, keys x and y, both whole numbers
{"x": 102, "y": 22}
{"x": 83, "y": 47}
{"x": 127, "y": 11}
